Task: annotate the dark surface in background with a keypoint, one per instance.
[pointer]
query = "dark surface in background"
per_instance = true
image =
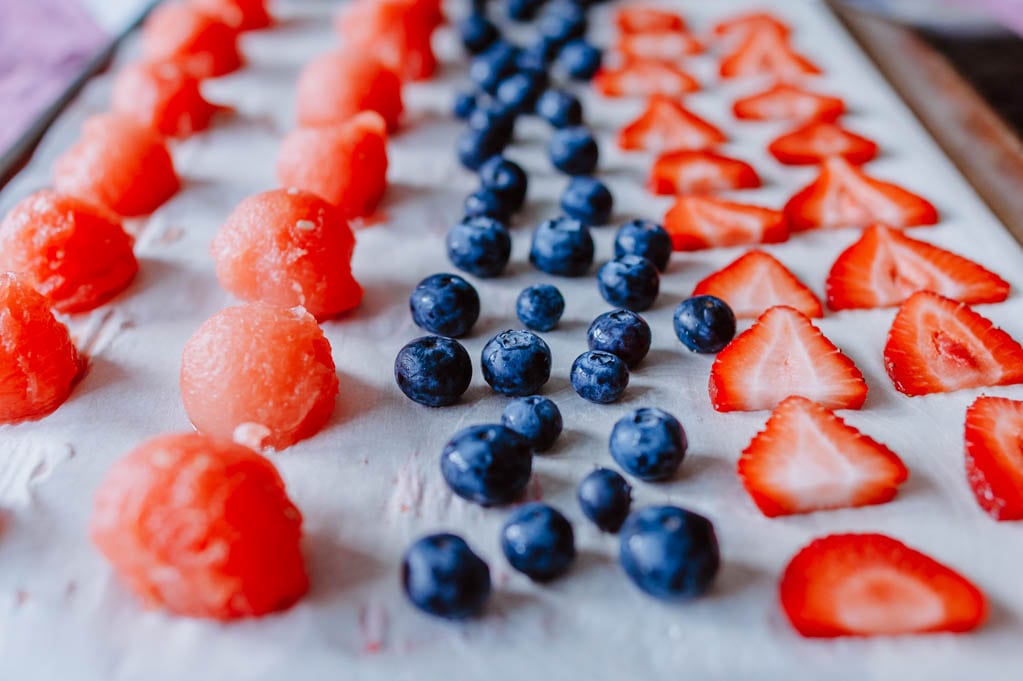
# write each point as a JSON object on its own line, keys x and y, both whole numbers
{"x": 993, "y": 64}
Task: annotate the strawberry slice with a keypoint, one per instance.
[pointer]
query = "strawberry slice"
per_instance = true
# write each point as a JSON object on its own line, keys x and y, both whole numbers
{"x": 766, "y": 52}
{"x": 666, "y": 125}
{"x": 994, "y": 456}
{"x": 755, "y": 282}
{"x": 785, "y": 102}
{"x": 783, "y": 354}
{"x": 644, "y": 79}
{"x": 845, "y": 196}
{"x": 816, "y": 141}
{"x": 885, "y": 267}
{"x": 700, "y": 172}
{"x": 647, "y": 19}
{"x": 699, "y": 222}
{"x": 938, "y": 345}
{"x": 873, "y": 585}
{"x": 660, "y": 45}
{"x": 807, "y": 459}
{"x": 743, "y": 25}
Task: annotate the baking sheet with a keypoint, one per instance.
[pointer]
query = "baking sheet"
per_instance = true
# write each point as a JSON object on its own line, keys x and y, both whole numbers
{"x": 369, "y": 483}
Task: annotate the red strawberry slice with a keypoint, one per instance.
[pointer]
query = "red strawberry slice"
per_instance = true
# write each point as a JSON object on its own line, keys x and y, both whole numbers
{"x": 785, "y": 102}
{"x": 873, "y": 585}
{"x": 783, "y": 354}
{"x": 666, "y": 125}
{"x": 647, "y": 19}
{"x": 994, "y": 455}
{"x": 766, "y": 52}
{"x": 845, "y": 196}
{"x": 807, "y": 459}
{"x": 666, "y": 46}
{"x": 885, "y": 267}
{"x": 938, "y": 345}
{"x": 755, "y": 282}
{"x": 698, "y": 222}
{"x": 816, "y": 141}
{"x": 742, "y": 26}
{"x": 700, "y": 172}
{"x": 644, "y": 79}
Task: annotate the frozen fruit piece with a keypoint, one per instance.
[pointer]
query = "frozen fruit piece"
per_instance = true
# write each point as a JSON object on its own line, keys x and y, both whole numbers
{"x": 537, "y": 540}
{"x": 71, "y": 251}
{"x": 939, "y": 345}
{"x": 669, "y": 552}
{"x": 845, "y": 196}
{"x": 781, "y": 355}
{"x": 741, "y": 26}
{"x": 757, "y": 281}
{"x": 118, "y": 163}
{"x": 203, "y": 44}
{"x": 241, "y": 15}
{"x": 344, "y": 163}
{"x": 163, "y": 96}
{"x": 288, "y": 247}
{"x": 397, "y": 32}
{"x": 649, "y": 443}
{"x": 580, "y": 60}
{"x": 666, "y": 125}
{"x": 487, "y": 464}
{"x": 698, "y": 222}
{"x": 337, "y": 85}
{"x": 704, "y": 324}
{"x": 815, "y": 142}
{"x": 38, "y": 361}
{"x": 766, "y": 52}
{"x": 873, "y": 585}
{"x": 631, "y": 282}
{"x": 661, "y": 45}
{"x": 643, "y": 79}
{"x": 599, "y": 377}
{"x": 260, "y": 374}
{"x": 605, "y": 498}
{"x": 994, "y": 460}
{"x": 787, "y": 102}
{"x": 640, "y": 18}
{"x": 807, "y": 459}
{"x": 884, "y": 267}
{"x": 201, "y": 527}
{"x": 700, "y": 172}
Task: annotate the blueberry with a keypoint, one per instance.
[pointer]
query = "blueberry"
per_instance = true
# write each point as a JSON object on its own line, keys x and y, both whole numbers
{"x": 630, "y": 281}
{"x": 644, "y": 238}
{"x": 704, "y": 323}
{"x": 507, "y": 179}
{"x": 535, "y": 418}
{"x": 479, "y": 246}
{"x": 605, "y": 498}
{"x": 433, "y": 370}
{"x": 442, "y": 576}
{"x": 579, "y": 59}
{"x": 573, "y": 150}
{"x": 561, "y": 27}
{"x": 669, "y": 552}
{"x": 538, "y": 55}
{"x": 599, "y": 377}
{"x": 538, "y": 541}
{"x": 493, "y": 65}
{"x": 623, "y": 333}
{"x": 540, "y": 307}
{"x": 487, "y": 464}
{"x": 559, "y": 108}
{"x": 486, "y": 203}
{"x": 523, "y": 10}
{"x": 516, "y": 363}
{"x": 519, "y": 91}
{"x": 562, "y": 246}
{"x": 477, "y": 33}
{"x": 649, "y": 443}
{"x": 465, "y": 104}
{"x": 496, "y": 118}
{"x": 587, "y": 199}
{"x": 445, "y": 304}
{"x": 474, "y": 146}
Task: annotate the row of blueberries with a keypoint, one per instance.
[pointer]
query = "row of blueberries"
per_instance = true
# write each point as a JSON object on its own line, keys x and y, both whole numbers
{"x": 667, "y": 551}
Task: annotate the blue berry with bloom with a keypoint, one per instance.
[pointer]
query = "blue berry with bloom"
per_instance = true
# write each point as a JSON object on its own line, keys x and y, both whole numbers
{"x": 480, "y": 246}
{"x": 445, "y": 304}
{"x": 562, "y": 246}
{"x": 443, "y": 577}
{"x": 476, "y": 145}
{"x": 704, "y": 324}
{"x": 560, "y": 108}
{"x": 523, "y": 10}
{"x": 588, "y": 200}
{"x": 630, "y": 281}
{"x": 477, "y": 33}
{"x": 540, "y": 307}
{"x": 486, "y": 203}
{"x": 649, "y": 443}
{"x": 644, "y": 238}
{"x": 465, "y": 104}
{"x": 433, "y": 370}
{"x": 562, "y": 22}
{"x": 573, "y": 150}
{"x": 487, "y": 464}
{"x": 623, "y": 333}
{"x": 580, "y": 59}
{"x": 599, "y": 377}
{"x": 507, "y": 179}
{"x": 520, "y": 90}
{"x": 605, "y": 498}
{"x": 516, "y": 363}
{"x": 538, "y": 541}
{"x": 538, "y": 55}
{"x": 669, "y": 552}
{"x": 496, "y": 118}
{"x": 497, "y": 62}
{"x": 535, "y": 418}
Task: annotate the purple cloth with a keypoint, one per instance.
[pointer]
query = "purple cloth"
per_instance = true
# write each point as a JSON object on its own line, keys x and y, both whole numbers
{"x": 44, "y": 45}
